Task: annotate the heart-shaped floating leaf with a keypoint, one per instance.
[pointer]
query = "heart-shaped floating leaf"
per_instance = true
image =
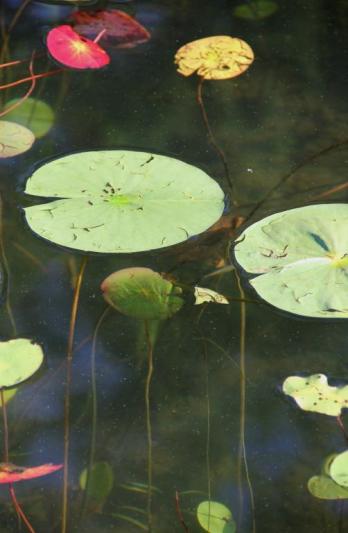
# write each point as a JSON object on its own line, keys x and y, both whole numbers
{"x": 325, "y": 488}
{"x": 19, "y": 359}
{"x": 142, "y": 293}
{"x": 122, "y": 30}
{"x": 315, "y": 394}
{"x": 100, "y": 483}
{"x": 10, "y": 473}
{"x": 32, "y": 113}
{"x": 302, "y": 256}
{"x": 122, "y": 201}
{"x": 339, "y": 469}
{"x": 257, "y": 10}
{"x": 214, "y": 58}
{"x": 74, "y": 51}
{"x": 215, "y": 517}
{"x": 14, "y": 139}
{"x": 204, "y": 295}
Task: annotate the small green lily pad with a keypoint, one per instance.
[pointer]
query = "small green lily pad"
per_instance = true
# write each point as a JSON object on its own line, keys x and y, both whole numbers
{"x": 14, "y": 139}
{"x": 301, "y": 256}
{"x": 32, "y": 113}
{"x": 325, "y": 488}
{"x": 257, "y": 10}
{"x": 313, "y": 393}
{"x": 215, "y": 517}
{"x": 339, "y": 469}
{"x": 142, "y": 293}
{"x": 19, "y": 359}
{"x": 100, "y": 483}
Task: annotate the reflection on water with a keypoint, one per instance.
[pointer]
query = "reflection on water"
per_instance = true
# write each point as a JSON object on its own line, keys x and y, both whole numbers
{"x": 288, "y": 107}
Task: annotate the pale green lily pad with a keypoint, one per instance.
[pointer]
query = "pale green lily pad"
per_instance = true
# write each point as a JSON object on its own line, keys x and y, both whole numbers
{"x": 215, "y": 517}
{"x": 100, "y": 483}
{"x": 203, "y": 295}
{"x": 142, "y": 293}
{"x": 14, "y": 139}
{"x": 325, "y": 488}
{"x": 339, "y": 469}
{"x": 122, "y": 201}
{"x": 19, "y": 359}
{"x": 302, "y": 256}
{"x": 259, "y": 9}
{"x": 32, "y": 113}
{"x": 313, "y": 393}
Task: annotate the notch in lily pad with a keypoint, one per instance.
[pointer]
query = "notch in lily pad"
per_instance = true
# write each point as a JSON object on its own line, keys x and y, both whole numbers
{"x": 299, "y": 260}
{"x": 332, "y": 484}
{"x": 121, "y": 201}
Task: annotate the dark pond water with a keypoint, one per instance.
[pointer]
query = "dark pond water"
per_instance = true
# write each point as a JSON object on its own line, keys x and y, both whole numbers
{"x": 284, "y": 120}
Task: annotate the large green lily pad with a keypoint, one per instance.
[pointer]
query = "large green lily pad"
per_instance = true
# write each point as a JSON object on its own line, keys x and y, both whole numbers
{"x": 315, "y": 394}
{"x": 32, "y": 113}
{"x": 215, "y": 517}
{"x": 339, "y": 469}
{"x": 122, "y": 201}
{"x": 19, "y": 359}
{"x": 14, "y": 139}
{"x": 142, "y": 293}
{"x": 302, "y": 258}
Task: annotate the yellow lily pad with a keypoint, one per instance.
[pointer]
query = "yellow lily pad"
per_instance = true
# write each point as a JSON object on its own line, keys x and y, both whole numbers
{"x": 214, "y": 58}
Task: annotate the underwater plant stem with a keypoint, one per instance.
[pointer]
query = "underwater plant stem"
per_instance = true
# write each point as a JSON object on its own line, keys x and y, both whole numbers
{"x": 341, "y": 426}
{"x": 242, "y": 455}
{"x": 148, "y": 423}
{"x": 67, "y": 392}
{"x": 207, "y": 445}
{"x": 15, "y": 502}
{"x": 30, "y": 78}
{"x": 94, "y": 410}
{"x": 213, "y": 141}
{"x": 7, "y": 273}
{"x": 179, "y": 512}
{"x": 29, "y": 91}
{"x": 99, "y": 36}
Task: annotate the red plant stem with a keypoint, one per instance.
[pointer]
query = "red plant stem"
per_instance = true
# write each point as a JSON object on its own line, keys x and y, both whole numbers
{"x": 27, "y": 94}
{"x": 179, "y": 513}
{"x": 341, "y": 426}
{"x": 15, "y": 502}
{"x": 99, "y": 36}
{"x": 30, "y": 78}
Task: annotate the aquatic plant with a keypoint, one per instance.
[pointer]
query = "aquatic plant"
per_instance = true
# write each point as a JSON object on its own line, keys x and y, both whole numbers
{"x": 33, "y": 113}
{"x": 300, "y": 259}
{"x": 14, "y": 139}
{"x": 331, "y": 484}
{"x": 98, "y": 482}
{"x": 215, "y": 517}
{"x": 255, "y": 9}
{"x": 121, "y": 201}
{"x": 204, "y": 295}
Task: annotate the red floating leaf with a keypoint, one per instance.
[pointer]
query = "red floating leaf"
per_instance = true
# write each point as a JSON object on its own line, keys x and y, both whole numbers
{"x": 10, "y": 473}
{"x": 72, "y": 50}
{"x": 122, "y": 30}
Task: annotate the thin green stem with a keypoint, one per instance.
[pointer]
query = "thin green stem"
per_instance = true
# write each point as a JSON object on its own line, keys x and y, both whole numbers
{"x": 7, "y": 273}
{"x": 148, "y": 424}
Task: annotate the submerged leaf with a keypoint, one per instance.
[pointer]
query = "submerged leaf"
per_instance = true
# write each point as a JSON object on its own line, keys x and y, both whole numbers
{"x": 19, "y": 359}
{"x": 71, "y": 50}
{"x": 121, "y": 201}
{"x": 100, "y": 483}
{"x": 214, "y": 58}
{"x": 215, "y": 517}
{"x": 315, "y": 394}
{"x": 256, "y": 10}
{"x": 32, "y": 113}
{"x": 339, "y": 469}
{"x": 142, "y": 293}
{"x": 10, "y": 473}
{"x": 14, "y": 139}
{"x": 204, "y": 295}
{"x": 8, "y": 395}
{"x": 302, "y": 256}
{"x": 122, "y": 30}
{"x": 325, "y": 488}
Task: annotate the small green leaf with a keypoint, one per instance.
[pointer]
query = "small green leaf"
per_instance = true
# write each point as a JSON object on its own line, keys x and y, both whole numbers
{"x": 32, "y": 113}
{"x": 14, "y": 139}
{"x": 257, "y": 10}
{"x": 9, "y": 394}
{"x": 100, "y": 483}
{"x": 19, "y": 359}
{"x": 215, "y": 517}
{"x": 315, "y": 394}
{"x": 142, "y": 293}
{"x": 339, "y": 469}
{"x": 325, "y": 488}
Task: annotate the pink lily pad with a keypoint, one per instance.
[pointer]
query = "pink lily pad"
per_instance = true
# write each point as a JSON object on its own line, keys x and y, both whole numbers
{"x": 10, "y": 473}
{"x": 74, "y": 51}
{"x": 122, "y": 30}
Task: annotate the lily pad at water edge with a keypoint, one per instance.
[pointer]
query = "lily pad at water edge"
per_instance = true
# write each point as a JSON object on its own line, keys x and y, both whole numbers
{"x": 14, "y": 139}
{"x": 122, "y": 201}
{"x": 19, "y": 359}
{"x": 315, "y": 394}
{"x": 301, "y": 256}
{"x": 215, "y": 517}
{"x": 142, "y": 293}
{"x": 32, "y": 113}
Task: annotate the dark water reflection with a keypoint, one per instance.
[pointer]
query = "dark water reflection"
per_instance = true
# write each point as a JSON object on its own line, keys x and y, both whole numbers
{"x": 289, "y": 105}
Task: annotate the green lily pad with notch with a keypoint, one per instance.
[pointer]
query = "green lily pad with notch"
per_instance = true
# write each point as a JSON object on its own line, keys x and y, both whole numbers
{"x": 313, "y": 393}
{"x": 100, "y": 483}
{"x": 32, "y": 113}
{"x": 324, "y": 488}
{"x": 215, "y": 517}
{"x": 15, "y": 139}
{"x": 19, "y": 360}
{"x": 257, "y": 10}
{"x": 339, "y": 469}
{"x": 300, "y": 258}
{"x": 142, "y": 293}
{"x": 121, "y": 201}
